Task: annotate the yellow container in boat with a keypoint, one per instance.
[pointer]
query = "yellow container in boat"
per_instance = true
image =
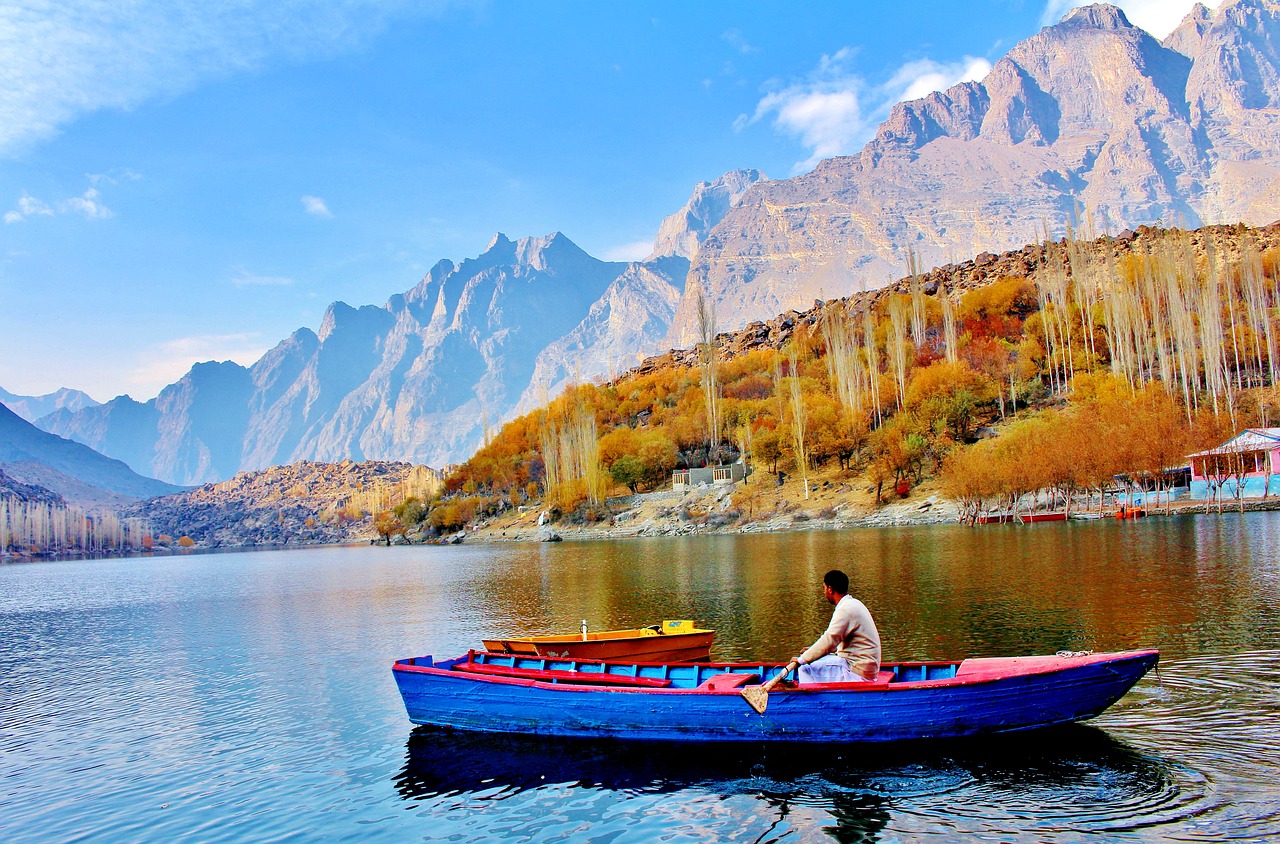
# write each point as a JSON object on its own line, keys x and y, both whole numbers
{"x": 678, "y": 626}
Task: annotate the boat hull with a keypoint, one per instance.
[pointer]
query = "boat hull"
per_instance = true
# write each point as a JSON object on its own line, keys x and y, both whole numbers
{"x": 984, "y": 696}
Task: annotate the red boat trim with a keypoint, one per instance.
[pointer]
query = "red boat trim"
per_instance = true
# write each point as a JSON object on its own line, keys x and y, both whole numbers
{"x": 586, "y": 677}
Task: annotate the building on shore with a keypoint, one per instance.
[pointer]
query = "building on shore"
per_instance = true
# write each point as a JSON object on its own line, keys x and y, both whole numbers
{"x": 686, "y": 479}
{"x": 1245, "y": 466}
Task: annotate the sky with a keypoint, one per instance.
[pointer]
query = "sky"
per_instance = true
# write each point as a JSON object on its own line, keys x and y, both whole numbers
{"x": 184, "y": 181}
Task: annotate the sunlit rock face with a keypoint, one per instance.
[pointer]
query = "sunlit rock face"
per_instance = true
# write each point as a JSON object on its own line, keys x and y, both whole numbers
{"x": 1091, "y": 119}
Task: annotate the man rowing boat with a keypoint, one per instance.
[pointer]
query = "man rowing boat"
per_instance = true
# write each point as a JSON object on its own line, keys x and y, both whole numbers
{"x": 849, "y": 650}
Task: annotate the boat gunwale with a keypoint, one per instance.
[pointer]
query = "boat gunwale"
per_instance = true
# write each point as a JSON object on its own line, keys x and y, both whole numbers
{"x": 601, "y": 636}
{"x": 960, "y": 680}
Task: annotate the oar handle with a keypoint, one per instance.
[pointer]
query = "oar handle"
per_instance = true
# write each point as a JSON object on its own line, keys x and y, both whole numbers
{"x": 791, "y": 666}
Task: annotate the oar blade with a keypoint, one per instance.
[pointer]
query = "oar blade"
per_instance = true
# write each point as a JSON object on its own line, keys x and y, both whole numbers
{"x": 758, "y": 697}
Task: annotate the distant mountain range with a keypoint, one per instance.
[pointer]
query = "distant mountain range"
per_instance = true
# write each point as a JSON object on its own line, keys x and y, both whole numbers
{"x": 1089, "y": 117}
{"x": 74, "y": 471}
{"x": 32, "y": 408}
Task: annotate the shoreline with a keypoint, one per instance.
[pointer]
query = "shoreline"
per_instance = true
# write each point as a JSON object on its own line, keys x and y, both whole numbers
{"x": 931, "y": 511}
{"x": 905, "y": 513}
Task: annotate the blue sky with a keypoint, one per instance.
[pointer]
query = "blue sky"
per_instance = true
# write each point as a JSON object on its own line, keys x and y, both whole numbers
{"x": 185, "y": 181}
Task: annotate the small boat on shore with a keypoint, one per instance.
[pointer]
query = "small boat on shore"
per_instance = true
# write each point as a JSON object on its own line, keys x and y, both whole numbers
{"x": 996, "y": 518}
{"x": 1032, "y": 518}
{"x": 509, "y": 693}
{"x": 670, "y": 641}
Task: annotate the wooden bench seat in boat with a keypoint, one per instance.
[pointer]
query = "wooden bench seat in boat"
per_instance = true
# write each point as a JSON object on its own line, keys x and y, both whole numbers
{"x": 723, "y": 682}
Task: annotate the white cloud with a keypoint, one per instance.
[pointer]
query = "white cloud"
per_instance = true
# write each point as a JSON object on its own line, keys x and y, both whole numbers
{"x": 834, "y": 111}
{"x": 244, "y": 278}
{"x": 316, "y": 206}
{"x": 64, "y": 59}
{"x": 166, "y": 362}
{"x": 88, "y": 203}
{"x": 636, "y": 250}
{"x": 28, "y": 206}
{"x": 1158, "y": 17}
{"x": 922, "y": 77}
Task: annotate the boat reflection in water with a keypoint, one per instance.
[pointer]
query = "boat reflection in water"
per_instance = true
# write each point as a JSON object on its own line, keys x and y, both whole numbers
{"x": 1069, "y": 779}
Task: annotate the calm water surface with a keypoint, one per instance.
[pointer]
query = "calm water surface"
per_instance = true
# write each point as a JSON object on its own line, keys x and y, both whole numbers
{"x": 249, "y": 696}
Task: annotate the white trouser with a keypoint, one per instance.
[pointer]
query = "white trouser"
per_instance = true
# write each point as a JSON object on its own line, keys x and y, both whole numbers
{"x": 829, "y": 669}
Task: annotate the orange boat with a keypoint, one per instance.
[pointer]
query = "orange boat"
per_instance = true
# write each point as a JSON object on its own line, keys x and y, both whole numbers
{"x": 670, "y": 641}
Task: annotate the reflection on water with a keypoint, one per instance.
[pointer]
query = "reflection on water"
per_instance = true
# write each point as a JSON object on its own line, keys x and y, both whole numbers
{"x": 249, "y": 695}
{"x": 975, "y": 784}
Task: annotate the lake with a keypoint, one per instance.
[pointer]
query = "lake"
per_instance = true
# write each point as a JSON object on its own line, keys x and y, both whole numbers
{"x": 248, "y": 696}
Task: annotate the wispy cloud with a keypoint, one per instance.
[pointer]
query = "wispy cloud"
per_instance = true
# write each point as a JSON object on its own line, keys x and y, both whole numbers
{"x": 65, "y": 59}
{"x": 166, "y": 362}
{"x": 28, "y": 206}
{"x": 316, "y": 206}
{"x": 738, "y": 41}
{"x": 636, "y": 250}
{"x": 244, "y": 278}
{"x": 835, "y": 110}
{"x": 88, "y": 204}
{"x": 1158, "y": 17}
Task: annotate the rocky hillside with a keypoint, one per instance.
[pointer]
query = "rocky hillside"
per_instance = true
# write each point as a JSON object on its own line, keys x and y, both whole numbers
{"x": 14, "y": 489}
{"x": 1029, "y": 262}
{"x": 1091, "y": 116}
{"x": 304, "y": 502}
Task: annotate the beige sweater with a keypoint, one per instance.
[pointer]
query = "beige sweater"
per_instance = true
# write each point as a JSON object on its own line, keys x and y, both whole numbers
{"x": 852, "y": 635}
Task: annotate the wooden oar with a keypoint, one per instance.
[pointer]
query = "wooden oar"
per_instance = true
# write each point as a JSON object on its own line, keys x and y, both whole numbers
{"x": 758, "y": 696}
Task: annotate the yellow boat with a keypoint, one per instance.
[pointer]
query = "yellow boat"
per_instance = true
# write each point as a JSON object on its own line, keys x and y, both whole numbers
{"x": 670, "y": 641}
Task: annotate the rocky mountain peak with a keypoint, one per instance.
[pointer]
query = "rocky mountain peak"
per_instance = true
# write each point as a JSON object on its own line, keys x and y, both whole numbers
{"x": 1097, "y": 16}
{"x": 550, "y": 252}
{"x": 499, "y": 242}
{"x": 1186, "y": 38}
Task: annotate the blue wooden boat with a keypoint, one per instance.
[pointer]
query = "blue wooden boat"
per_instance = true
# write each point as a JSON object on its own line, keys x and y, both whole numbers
{"x": 509, "y": 693}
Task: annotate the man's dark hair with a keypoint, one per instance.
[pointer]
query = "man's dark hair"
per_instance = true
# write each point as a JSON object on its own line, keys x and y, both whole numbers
{"x": 837, "y": 580}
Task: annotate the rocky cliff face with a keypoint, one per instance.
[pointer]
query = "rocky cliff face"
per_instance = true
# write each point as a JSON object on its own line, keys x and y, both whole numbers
{"x": 683, "y": 232}
{"x": 1089, "y": 117}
